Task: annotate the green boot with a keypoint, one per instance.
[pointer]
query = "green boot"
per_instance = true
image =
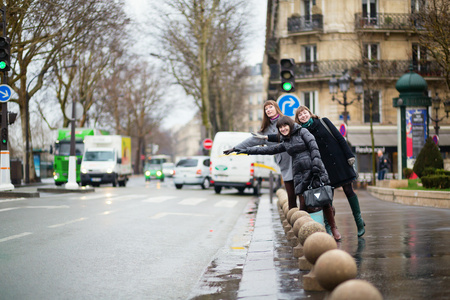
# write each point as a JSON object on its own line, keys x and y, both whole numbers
{"x": 354, "y": 204}
{"x": 327, "y": 227}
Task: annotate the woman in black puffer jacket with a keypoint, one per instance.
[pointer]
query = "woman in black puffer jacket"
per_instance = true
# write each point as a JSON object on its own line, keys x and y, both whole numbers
{"x": 306, "y": 161}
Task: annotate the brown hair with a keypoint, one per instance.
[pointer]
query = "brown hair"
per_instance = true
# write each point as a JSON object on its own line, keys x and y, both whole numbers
{"x": 302, "y": 108}
{"x": 266, "y": 119}
{"x": 285, "y": 120}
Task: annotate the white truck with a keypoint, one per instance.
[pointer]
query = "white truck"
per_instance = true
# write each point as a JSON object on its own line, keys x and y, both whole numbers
{"x": 106, "y": 159}
{"x": 240, "y": 171}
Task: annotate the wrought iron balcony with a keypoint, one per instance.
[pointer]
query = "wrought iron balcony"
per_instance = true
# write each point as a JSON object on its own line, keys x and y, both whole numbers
{"x": 376, "y": 68}
{"x": 305, "y": 23}
{"x": 386, "y": 22}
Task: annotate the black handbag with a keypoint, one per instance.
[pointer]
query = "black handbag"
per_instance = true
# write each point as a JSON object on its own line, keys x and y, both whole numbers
{"x": 318, "y": 197}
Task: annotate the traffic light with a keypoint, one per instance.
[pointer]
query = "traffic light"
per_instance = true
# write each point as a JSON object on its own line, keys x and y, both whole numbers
{"x": 5, "y": 54}
{"x": 287, "y": 75}
{"x": 4, "y": 136}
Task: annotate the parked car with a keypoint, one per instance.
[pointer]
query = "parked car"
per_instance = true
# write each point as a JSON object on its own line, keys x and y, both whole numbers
{"x": 193, "y": 170}
{"x": 168, "y": 169}
{"x": 153, "y": 171}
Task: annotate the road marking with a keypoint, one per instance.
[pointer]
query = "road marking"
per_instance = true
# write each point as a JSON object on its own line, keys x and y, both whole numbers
{"x": 12, "y": 199}
{"x": 67, "y": 223}
{"x": 191, "y": 201}
{"x": 92, "y": 197}
{"x": 165, "y": 214}
{"x": 12, "y": 237}
{"x": 107, "y": 212}
{"x": 10, "y": 208}
{"x": 226, "y": 203}
{"x": 158, "y": 199}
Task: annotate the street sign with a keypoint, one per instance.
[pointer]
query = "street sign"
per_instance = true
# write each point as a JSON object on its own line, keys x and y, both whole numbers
{"x": 343, "y": 129}
{"x": 78, "y": 111}
{"x": 436, "y": 139}
{"x": 5, "y": 92}
{"x": 207, "y": 144}
{"x": 288, "y": 103}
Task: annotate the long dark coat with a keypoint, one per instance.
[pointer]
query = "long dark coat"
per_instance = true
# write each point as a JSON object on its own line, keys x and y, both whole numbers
{"x": 334, "y": 151}
{"x": 305, "y": 157}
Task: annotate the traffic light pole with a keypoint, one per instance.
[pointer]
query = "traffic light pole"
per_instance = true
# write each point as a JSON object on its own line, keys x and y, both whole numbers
{"x": 5, "y": 171}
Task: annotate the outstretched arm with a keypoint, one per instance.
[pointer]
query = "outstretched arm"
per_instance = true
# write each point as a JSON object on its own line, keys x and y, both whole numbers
{"x": 274, "y": 149}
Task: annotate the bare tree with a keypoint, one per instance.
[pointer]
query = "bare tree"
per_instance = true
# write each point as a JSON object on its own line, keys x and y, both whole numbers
{"x": 40, "y": 31}
{"x": 198, "y": 38}
{"x": 432, "y": 25}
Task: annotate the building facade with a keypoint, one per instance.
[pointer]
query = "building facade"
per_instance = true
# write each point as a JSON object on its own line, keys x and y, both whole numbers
{"x": 255, "y": 98}
{"x": 370, "y": 39}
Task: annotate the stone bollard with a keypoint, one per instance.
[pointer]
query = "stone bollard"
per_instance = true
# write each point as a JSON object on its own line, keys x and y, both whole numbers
{"x": 305, "y": 231}
{"x": 292, "y": 238}
{"x": 295, "y": 216}
{"x": 355, "y": 289}
{"x": 298, "y": 249}
{"x": 315, "y": 245}
{"x": 334, "y": 267}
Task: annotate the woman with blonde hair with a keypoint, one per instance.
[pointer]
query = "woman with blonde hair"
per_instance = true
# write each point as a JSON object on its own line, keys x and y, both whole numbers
{"x": 336, "y": 156}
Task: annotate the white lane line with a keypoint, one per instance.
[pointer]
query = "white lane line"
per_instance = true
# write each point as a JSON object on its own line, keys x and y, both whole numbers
{"x": 93, "y": 197}
{"x": 191, "y": 201}
{"x": 158, "y": 199}
{"x": 226, "y": 203}
{"x": 12, "y": 199}
{"x": 107, "y": 212}
{"x": 10, "y": 208}
{"x": 12, "y": 237}
{"x": 165, "y": 214}
{"x": 67, "y": 223}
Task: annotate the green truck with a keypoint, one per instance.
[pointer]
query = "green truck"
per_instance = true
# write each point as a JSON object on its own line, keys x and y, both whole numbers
{"x": 62, "y": 152}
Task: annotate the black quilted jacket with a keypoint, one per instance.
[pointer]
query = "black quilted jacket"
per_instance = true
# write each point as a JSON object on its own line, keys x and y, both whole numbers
{"x": 305, "y": 154}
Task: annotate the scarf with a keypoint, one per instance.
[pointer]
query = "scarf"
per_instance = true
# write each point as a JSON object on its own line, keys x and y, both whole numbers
{"x": 307, "y": 124}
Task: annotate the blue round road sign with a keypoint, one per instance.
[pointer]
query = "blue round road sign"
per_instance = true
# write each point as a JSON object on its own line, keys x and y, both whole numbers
{"x": 288, "y": 103}
{"x": 5, "y": 92}
{"x": 343, "y": 129}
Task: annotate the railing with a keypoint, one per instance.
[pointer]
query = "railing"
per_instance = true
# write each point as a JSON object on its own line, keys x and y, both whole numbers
{"x": 378, "y": 68}
{"x": 382, "y": 21}
{"x": 305, "y": 23}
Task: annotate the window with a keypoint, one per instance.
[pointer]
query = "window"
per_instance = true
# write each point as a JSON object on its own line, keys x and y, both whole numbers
{"x": 371, "y": 55}
{"x": 369, "y": 12}
{"x": 250, "y": 116}
{"x": 308, "y": 13}
{"x": 375, "y": 101}
{"x": 417, "y": 5}
{"x": 310, "y": 55}
{"x": 419, "y": 58}
{"x": 309, "y": 99}
{"x": 259, "y": 98}
{"x": 260, "y": 115}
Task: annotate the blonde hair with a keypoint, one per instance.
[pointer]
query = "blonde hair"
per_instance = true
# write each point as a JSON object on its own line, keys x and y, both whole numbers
{"x": 302, "y": 108}
{"x": 266, "y": 119}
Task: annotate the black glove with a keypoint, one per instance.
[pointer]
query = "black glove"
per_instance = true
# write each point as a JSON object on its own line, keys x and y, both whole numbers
{"x": 229, "y": 151}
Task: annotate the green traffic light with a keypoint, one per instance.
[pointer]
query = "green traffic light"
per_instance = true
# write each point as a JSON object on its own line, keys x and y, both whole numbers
{"x": 2, "y": 65}
{"x": 287, "y": 86}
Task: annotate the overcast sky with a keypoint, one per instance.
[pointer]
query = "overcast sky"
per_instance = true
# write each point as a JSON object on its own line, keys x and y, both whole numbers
{"x": 140, "y": 9}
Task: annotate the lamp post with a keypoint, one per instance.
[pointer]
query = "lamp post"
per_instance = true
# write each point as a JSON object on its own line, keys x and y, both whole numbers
{"x": 436, "y": 105}
{"x": 344, "y": 84}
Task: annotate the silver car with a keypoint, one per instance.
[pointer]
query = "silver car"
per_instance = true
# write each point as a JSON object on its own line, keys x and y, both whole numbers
{"x": 193, "y": 170}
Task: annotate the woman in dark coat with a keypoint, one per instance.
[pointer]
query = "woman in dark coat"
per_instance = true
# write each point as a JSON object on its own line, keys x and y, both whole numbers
{"x": 336, "y": 156}
{"x": 306, "y": 162}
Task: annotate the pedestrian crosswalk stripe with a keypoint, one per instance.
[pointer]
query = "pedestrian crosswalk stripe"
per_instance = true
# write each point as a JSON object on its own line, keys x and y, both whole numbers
{"x": 226, "y": 203}
{"x": 165, "y": 214}
{"x": 191, "y": 201}
{"x": 158, "y": 199}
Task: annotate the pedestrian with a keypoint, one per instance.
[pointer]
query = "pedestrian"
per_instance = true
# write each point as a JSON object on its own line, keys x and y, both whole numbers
{"x": 384, "y": 165}
{"x": 272, "y": 113}
{"x": 336, "y": 156}
{"x": 307, "y": 165}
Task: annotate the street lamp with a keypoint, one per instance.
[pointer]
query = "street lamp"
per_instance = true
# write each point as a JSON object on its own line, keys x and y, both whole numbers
{"x": 27, "y": 124}
{"x": 436, "y": 105}
{"x": 344, "y": 84}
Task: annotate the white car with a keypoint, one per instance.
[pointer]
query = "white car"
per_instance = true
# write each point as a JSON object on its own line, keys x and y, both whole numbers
{"x": 193, "y": 170}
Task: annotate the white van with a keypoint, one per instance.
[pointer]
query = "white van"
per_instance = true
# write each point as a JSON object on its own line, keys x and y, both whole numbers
{"x": 240, "y": 171}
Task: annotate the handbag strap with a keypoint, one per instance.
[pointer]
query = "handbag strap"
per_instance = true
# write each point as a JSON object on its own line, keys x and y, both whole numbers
{"x": 327, "y": 128}
{"x": 312, "y": 178}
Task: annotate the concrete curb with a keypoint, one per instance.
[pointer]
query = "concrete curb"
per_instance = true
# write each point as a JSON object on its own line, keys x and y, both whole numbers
{"x": 412, "y": 197}
{"x": 62, "y": 190}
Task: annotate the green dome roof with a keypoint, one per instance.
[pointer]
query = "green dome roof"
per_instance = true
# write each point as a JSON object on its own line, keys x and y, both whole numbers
{"x": 411, "y": 83}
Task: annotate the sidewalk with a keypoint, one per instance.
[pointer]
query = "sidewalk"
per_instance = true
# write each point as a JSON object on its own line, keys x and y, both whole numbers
{"x": 405, "y": 252}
